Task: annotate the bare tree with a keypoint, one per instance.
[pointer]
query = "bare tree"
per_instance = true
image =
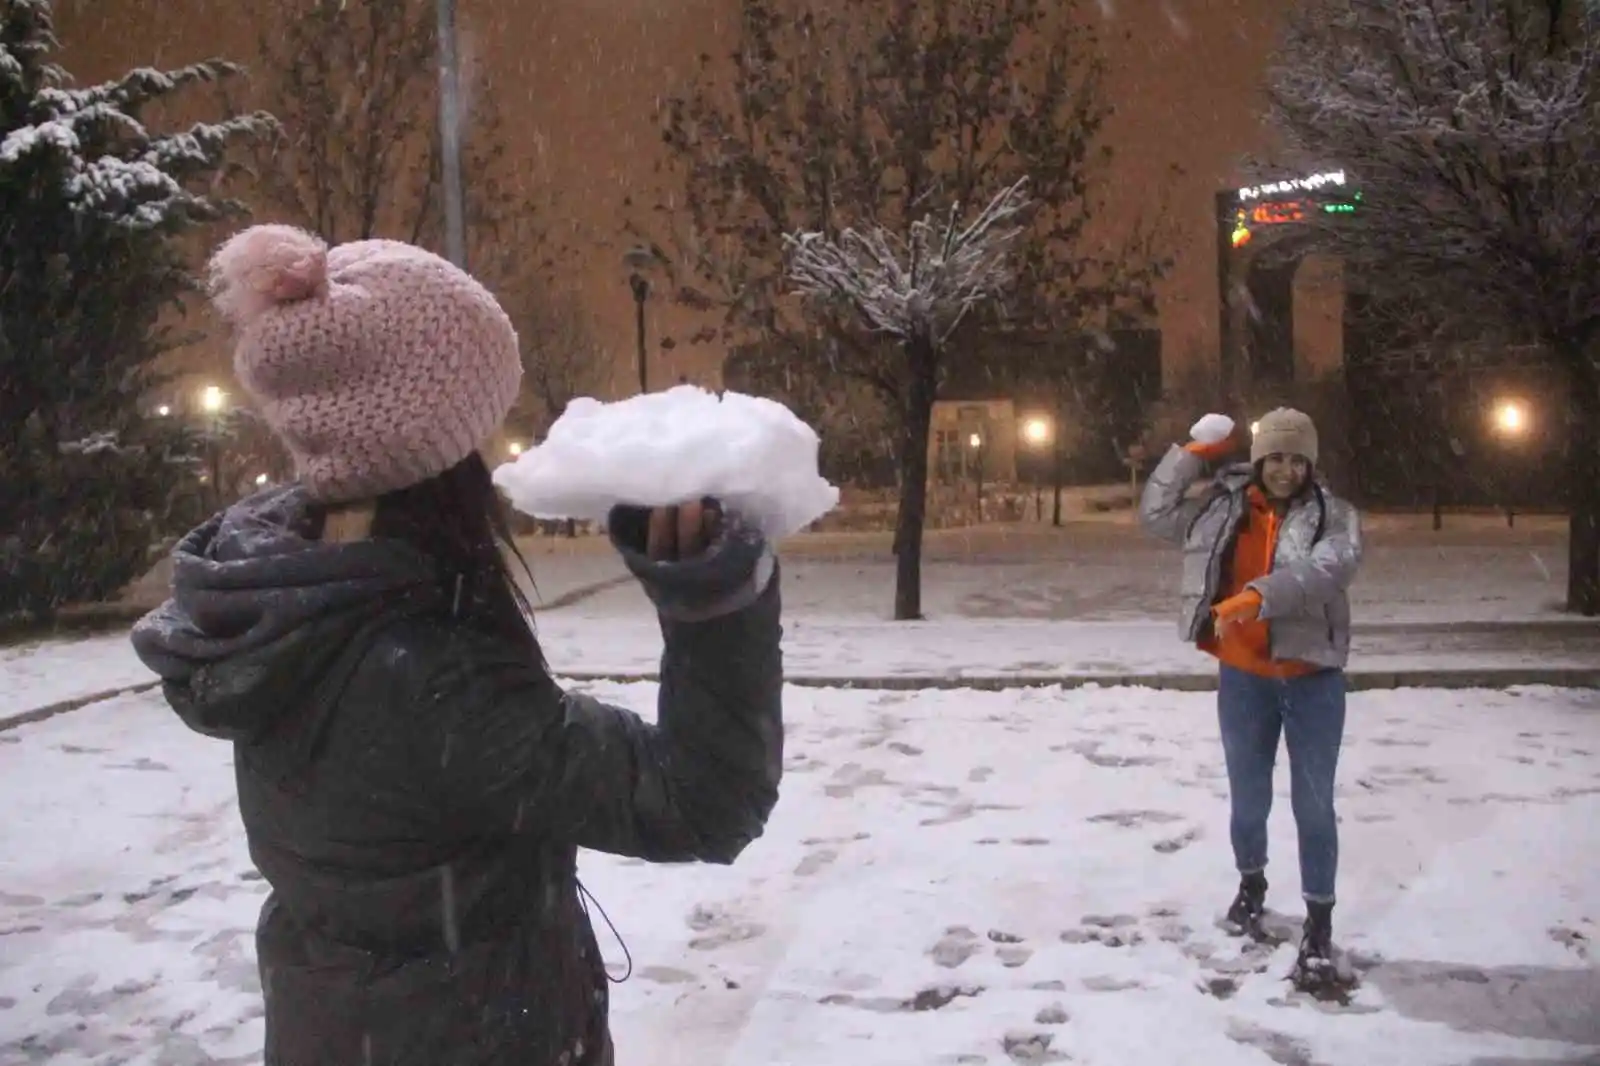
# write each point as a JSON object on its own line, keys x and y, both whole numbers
{"x": 354, "y": 84}
{"x": 828, "y": 116}
{"x": 1472, "y": 129}
{"x": 561, "y": 360}
{"x": 916, "y": 289}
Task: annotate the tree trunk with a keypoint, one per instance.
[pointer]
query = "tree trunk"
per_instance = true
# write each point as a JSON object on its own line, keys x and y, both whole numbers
{"x": 1058, "y": 470}
{"x": 1583, "y": 483}
{"x": 916, "y": 422}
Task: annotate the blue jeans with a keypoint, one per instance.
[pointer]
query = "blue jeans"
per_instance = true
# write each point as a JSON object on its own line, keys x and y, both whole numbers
{"x": 1309, "y": 712}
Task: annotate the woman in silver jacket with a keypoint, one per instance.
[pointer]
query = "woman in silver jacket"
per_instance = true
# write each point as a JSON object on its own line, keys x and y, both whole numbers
{"x": 1268, "y": 556}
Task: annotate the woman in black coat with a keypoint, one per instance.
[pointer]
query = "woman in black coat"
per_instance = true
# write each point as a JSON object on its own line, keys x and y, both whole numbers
{"x": 414, "y": 785}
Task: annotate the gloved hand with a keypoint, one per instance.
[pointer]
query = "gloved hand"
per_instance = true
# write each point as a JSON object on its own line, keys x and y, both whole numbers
{"x": 1213, "y": 437}
{"x": 693, "y": 558}
{"x": 1245, "y": 607}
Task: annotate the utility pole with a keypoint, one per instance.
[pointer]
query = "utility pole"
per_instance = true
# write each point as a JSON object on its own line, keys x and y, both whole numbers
{"x": 455, "y": 214}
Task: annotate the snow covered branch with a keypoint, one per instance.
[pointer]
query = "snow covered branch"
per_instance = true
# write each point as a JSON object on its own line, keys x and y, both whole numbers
{"x": 1471, "y": 131}
{"x": 113, "y": 167}
{"x": 919, "y": 285}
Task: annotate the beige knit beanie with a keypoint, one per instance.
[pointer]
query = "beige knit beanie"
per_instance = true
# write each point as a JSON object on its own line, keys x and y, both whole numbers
{"x": 1284, "y": 432}
{"x": 377, "y": 363}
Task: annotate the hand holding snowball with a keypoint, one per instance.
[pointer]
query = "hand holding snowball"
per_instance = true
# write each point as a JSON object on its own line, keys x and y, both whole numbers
{"x": 1212, "y": 437}
{"x": 682, "y": 532}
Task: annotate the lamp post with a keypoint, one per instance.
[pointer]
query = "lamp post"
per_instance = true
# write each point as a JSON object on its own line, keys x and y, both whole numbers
{"x": 1510, "y": 424}
{"x": 212, "y": 400}
{"x": 976, "y": 443}
{"x": 638, "y": 259}
{"x": 455, "y": 214}
{"x": 1036, "y": 434}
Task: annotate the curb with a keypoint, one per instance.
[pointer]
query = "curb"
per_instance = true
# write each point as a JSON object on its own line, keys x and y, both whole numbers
{"x": 1359, "y": 681}
{"x": 581, "y": 593}
{"x": 50, "y": 710}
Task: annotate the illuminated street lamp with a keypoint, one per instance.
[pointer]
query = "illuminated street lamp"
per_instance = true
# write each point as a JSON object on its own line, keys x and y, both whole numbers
{"x": 1511, "y": 423}
{"x": 1036, "y": 434}
{"x": 514, "y": 448}
{"x": 212, "y": 400}
{"x": 975, "y": 442}
{"x": 163, "y": 410}
{"x": 261, "y": 479}
{"x": 1510, "y": 419}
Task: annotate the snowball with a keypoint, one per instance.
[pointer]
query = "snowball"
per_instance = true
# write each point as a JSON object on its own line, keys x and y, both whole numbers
{"x": 1212, "y": 429}
{"x": 672, "y": 447}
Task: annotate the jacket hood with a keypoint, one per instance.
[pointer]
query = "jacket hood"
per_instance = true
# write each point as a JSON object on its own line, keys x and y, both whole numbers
{"x": 261, "y": 615}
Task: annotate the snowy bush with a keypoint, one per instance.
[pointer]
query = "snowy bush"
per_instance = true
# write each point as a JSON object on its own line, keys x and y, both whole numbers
{"x": 93, "y": 211}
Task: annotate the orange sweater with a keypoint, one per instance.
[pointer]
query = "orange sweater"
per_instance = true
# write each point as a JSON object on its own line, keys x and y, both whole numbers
{"x": 1246, "y": 645}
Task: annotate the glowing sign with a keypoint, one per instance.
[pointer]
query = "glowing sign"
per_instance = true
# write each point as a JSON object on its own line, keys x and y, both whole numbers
{"x": 1311, "y": 183}
{"x": 1277, "y": 212}
{"x": 1281, "y": 212}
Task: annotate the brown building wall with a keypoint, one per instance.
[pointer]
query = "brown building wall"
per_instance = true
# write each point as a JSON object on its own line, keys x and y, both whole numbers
{"x": 579, "y": 85}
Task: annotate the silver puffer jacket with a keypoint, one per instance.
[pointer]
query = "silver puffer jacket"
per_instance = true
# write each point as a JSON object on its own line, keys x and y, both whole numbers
{"x": 1304, "y": 599}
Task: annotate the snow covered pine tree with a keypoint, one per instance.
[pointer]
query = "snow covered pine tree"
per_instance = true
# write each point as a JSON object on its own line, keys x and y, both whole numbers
{"x": 917, "y": 289}
{"x": 91, "y": 209}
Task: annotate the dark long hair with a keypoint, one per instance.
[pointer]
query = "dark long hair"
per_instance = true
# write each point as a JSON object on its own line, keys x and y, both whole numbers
{"x": 458, "y": 520}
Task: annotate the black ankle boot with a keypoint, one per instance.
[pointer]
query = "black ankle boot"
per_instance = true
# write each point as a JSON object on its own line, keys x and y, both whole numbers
{"x": 1316, "y": 942}
{"x": 1314, "y": 969}
{"x": 1250, "y": 902}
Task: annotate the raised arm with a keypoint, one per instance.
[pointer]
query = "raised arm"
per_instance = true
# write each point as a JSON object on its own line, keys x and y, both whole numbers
{"x": 1165, "y": 509}
{"x": 521, "y": 756}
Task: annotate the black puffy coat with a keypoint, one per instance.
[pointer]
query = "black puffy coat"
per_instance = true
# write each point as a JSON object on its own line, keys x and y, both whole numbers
{"x": 415, "y": 791}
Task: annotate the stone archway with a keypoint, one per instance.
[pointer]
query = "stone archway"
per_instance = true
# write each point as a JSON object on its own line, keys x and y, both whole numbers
{"x": 1277, "y": 321}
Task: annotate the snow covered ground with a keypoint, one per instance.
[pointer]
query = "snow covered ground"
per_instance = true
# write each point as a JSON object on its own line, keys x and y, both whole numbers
{"x": 1094, "y": 599}
{"x": 947, "y": 875}
{"x": 626, "y": 642}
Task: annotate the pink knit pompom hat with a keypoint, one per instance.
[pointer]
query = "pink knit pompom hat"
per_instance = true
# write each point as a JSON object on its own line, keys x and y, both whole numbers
{"x": 377, "y": 363}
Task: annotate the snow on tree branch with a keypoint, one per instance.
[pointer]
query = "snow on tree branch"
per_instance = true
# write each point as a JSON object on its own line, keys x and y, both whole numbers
{"x": 1471, "y": 130}
{"x": 918, "y": 285}
{"x": 114, "y": 167}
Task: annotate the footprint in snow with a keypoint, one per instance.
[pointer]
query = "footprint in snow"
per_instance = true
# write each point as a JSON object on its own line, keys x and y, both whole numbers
{"x": 954, "y": 948}
{"x": 1024, "y": 1046}
{"x": 816, "y": 862}
{"x": 1177, "y": 843}
{"x": 667, "y": 975}
{"x": 853, "y": 776}
{"x": 1013, "y": 956}
{"x": 1112, "y": 931}
{"x": 928, "y": 999}
{"x": 718, "y": 928}
{"x": 1134, "y": 819}
{"x": 1110, "y": 984}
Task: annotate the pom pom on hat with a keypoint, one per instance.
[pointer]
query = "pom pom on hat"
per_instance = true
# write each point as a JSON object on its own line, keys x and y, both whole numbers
{"x": 264, "y": 266}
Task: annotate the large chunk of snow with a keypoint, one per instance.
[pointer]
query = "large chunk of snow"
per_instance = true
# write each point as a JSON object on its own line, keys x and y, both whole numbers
{"x": 1212, "y": 429}
{"x": 671, "y": 447}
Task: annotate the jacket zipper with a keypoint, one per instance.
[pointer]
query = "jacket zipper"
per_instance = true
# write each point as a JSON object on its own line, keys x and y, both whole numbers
{"x": 1213, "y": 571}
{"x": 1273, "y": 524}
